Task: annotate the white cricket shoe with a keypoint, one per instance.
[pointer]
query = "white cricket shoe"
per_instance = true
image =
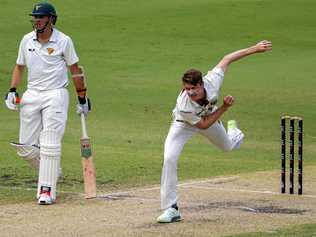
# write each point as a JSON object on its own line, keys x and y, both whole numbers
{"x": 45, "y": 198}
{"x": 169, "y": 215}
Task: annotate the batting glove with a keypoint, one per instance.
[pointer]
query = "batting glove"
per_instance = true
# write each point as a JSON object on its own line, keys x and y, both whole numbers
{"x": 12, "y": 99}
{"x": 84, "y": 106}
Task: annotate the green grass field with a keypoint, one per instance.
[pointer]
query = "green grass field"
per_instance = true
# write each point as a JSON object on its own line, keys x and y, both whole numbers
{"x": 135, "y": 52}
{"x": 307, "y": 230}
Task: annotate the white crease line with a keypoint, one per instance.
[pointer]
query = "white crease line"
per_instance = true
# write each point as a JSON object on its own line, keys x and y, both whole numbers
{"x": 108, "y": 195}
{"x": 215, "y": 180}
{"x": 246, "y": 191}
{"x": 223, "y": 179}
{"x": 117, "y": 198}
{"x": 247, "y": 208}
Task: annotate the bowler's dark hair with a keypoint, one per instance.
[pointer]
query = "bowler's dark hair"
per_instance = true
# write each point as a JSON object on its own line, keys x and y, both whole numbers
{"x": 192, "y": 76}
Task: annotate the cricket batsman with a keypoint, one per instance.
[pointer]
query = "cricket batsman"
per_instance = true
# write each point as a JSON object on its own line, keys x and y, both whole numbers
{"x": 196, "y": 112}
{"x": 47, "y": 53}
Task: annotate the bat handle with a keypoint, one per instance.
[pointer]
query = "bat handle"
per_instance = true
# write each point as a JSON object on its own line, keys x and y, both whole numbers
{"x": 83, "y": 125}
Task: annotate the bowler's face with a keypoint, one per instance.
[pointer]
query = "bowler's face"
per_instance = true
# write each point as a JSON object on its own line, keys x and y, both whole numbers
{"x": 195, "y": 92}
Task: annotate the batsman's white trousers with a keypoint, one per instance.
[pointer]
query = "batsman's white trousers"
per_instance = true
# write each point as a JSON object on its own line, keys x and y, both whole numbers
{"x": 178, "y": 135}
{"x": 42, "y": 110}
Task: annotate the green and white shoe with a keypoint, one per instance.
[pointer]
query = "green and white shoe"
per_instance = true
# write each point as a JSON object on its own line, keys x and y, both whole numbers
{"x": 231, "y": 124}
{"x": 169, "y": 215}
{"x": 235, "y": 134}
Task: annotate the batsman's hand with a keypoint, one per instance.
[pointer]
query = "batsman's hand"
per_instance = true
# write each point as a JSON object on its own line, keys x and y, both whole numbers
{"x": 12, "y": 99}
{"x": 84, "y": 106}
{"x": 228, "y": 101}
{"x": 263, "y": 46}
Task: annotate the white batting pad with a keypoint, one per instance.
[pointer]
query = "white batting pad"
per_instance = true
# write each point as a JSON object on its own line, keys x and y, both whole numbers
{"x": 29, "y": 153}
{"x": 50, "y": 142}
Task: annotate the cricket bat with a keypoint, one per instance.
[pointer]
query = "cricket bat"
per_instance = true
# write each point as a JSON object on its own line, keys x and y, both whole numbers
{"x": 87, "y": 162}
{"x": 86, "y": 154}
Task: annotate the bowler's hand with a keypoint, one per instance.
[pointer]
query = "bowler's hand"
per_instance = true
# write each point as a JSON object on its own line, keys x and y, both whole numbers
{"x": 263, "y": 46}
{"x": 84, "y": 106}
{"x": 228, "y": 101}
{"x": 12, "y": 99}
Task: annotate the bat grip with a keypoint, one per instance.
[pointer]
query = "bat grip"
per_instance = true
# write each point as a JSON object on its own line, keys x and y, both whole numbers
{"x": 83, "y": 125}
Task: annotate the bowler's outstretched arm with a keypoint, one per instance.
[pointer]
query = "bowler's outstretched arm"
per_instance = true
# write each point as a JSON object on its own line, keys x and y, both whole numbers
{"x": 260, "y": 47}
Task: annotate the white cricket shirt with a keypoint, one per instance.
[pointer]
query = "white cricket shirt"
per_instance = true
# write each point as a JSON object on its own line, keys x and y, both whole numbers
{"x": 189, "y": 111}
{"x": 47, "y": 63}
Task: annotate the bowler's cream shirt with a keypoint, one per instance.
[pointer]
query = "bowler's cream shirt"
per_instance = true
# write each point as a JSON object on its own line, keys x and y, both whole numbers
{"x": 189, "y": 111}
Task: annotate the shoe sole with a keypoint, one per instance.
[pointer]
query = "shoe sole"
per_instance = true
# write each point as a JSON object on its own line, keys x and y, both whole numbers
{"x": 44, "y": 203}
{"x": 233, "y": 125}
{"x": 174, "y": 219}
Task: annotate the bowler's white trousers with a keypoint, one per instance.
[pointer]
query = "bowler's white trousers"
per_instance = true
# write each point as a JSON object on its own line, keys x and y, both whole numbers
{"x": 42, "y": 110}
{"x": 178, "y": 135}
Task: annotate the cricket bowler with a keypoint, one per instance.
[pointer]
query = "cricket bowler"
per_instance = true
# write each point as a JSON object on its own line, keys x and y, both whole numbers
{"x": 196, "y": 112}
{"x": 47, "y": 53}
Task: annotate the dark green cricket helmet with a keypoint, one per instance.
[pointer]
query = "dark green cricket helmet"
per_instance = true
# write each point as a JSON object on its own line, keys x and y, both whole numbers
{"x": 44, "y": 9}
